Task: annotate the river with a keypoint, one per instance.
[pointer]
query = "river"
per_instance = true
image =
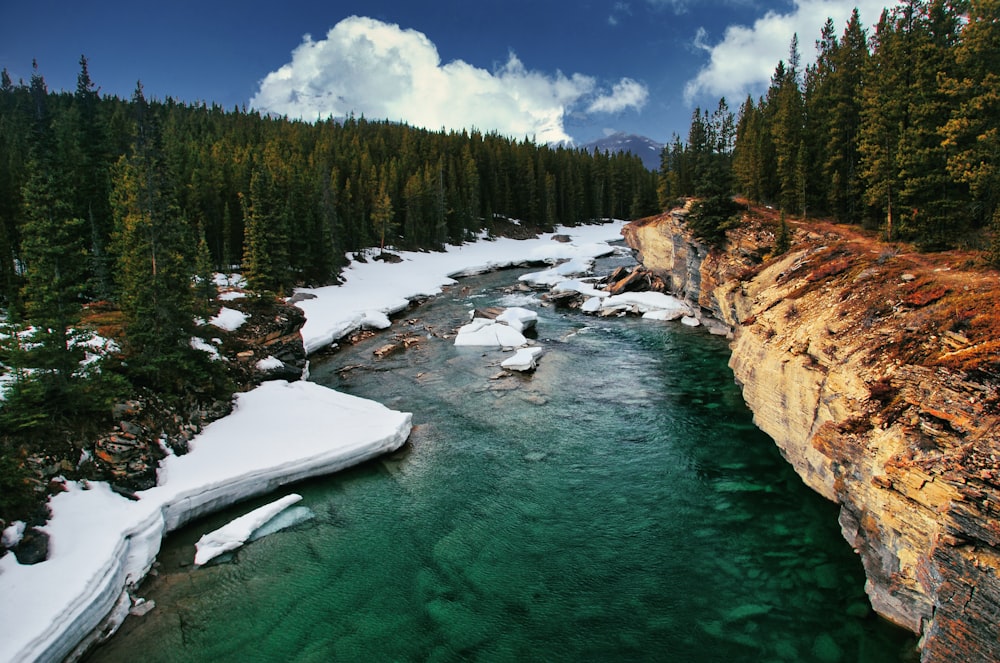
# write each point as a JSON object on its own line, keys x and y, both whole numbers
{"x": 616, "y": 505}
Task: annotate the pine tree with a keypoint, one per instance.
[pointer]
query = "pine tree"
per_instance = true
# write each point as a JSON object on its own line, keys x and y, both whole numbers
{"x": 154, "y": 268}
{"x": 382, "y": 214}
{"x": 54, "y": 267}
{"x": 884, "y": 114}
{"x": 265, "y": 263}
{"x": 842, "y": 167}
{"x": 786, "y": 130}
{"x": 783, "y": 240}
{"x": 935, "y": 203}
{"x": 972, "y": 133}
{"x": 91, "y": 202}
{"x": 709, "y": 145}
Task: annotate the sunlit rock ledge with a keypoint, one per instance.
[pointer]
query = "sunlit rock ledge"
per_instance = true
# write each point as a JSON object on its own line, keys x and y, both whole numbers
{"x": 102, "y": 544}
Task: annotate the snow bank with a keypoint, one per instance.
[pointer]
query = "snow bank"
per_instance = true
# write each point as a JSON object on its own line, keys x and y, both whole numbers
{"x": 100, "y": 542}
{"x": 647, "y": 302}
{"x": 235, "y": 533}
{"x": 574, "y": 267}
{"x": 388, "y": 287}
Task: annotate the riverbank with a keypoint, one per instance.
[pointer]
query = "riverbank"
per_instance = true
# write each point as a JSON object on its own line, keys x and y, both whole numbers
{"x": 874, "y": 369}
{"x": 102, "y": 544}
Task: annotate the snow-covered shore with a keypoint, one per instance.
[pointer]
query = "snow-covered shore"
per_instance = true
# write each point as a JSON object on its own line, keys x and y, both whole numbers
{"x": 102, "y": 543}
{"x": 387, "y": 288}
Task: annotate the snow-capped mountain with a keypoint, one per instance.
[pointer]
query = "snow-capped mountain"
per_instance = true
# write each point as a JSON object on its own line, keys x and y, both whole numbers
{"x": 646, "y": 149}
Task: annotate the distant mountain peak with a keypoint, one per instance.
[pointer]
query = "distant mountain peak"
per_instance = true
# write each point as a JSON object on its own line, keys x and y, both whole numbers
{"x": 645, "y": 148}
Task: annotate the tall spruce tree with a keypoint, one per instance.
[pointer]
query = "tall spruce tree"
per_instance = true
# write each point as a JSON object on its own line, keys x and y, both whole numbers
{"x": 265, "y": 260}
{"x": 786, "y": 130}
{"x": 91, "y": 199}
{"x": 842, "y": 161}
{"x": 54, "y": 268}
{"x": 156, "y": 261}
{"x": 934, "y": 201}
{"x": 971, "y": 134}
{"x": 885, "y": 114}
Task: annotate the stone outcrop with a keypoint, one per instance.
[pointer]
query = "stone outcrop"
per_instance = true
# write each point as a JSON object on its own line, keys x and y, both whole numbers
{"x": 871, "y": 369}
{"x": 270, "y": 331}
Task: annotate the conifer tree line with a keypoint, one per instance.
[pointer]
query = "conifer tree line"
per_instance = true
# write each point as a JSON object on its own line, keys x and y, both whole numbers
{"x": 896, "y": 128}
{"x": 284, "y": 200}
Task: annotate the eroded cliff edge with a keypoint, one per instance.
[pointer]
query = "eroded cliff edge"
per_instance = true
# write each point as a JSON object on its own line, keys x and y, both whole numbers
{"x": 874, "y": 369}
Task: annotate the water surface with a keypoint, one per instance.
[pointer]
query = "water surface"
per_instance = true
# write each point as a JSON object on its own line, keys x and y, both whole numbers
{"x": 617, "y": 505}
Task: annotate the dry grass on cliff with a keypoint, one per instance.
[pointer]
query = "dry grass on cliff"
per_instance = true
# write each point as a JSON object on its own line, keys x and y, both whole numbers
{"x": 936, "y": 309}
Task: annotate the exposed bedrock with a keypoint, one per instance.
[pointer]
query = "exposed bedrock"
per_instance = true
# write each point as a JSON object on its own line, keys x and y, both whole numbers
{"x": 846, "y": 353}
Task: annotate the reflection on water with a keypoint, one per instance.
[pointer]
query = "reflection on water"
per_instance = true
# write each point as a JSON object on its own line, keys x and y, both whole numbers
{"x": 618, "y": 504}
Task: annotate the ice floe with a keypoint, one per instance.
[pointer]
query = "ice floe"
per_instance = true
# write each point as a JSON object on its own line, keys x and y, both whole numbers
{"x": 236, "y": 532}
{"x": 525, "y": 359}
{"x": 489, "y": 333}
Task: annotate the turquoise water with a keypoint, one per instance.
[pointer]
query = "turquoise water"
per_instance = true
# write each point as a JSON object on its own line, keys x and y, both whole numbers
{"x": 617, "y": 505}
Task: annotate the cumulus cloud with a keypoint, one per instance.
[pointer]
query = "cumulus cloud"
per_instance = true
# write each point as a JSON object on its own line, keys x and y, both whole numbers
{"x": 743, "y": 61}
{"x": 380, "y": 70}
{"x": 626, "y": 93}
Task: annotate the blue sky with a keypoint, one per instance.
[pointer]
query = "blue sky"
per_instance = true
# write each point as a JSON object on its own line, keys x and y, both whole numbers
{"x": 550, "y": 69}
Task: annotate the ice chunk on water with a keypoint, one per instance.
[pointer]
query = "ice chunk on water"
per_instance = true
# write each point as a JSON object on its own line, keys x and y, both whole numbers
{"x": 518, "y": 318}
{"x": 232, "y": 536}
{"x": 489, "y": 333}
{"x": 525, "y": 359}
{"x": 290, "y": 517}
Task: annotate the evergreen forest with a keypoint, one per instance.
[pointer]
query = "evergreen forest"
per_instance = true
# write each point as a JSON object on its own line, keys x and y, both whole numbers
{"x": 123, "y": 209}
{"x": 896, "y": 128}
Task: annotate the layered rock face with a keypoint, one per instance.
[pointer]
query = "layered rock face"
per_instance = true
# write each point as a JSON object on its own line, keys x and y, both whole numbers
{"x": 868, "y": 367}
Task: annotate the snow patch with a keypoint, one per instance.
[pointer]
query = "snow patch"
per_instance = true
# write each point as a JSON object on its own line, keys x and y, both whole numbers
{"x": 12, "y": 534}
{"x": 375, "y": 320}
{"x": 517, "y": 318}
{"x": 269, "y": 363}
{"x": 229, "y": 319}
{"x": 199, "y": 343}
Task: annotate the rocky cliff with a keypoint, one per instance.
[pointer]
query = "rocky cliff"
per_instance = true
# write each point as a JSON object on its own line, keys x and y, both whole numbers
{"x": 874, "y": 369}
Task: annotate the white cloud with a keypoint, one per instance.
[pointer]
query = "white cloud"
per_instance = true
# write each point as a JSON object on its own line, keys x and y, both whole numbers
{"x": 382, "y": 71}
{"x": 620, "y": 9}
{"x": 744, "y": 60}
{"x": 626, "y": 93}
